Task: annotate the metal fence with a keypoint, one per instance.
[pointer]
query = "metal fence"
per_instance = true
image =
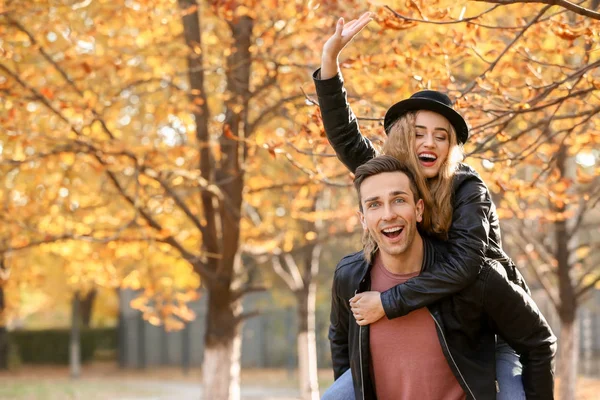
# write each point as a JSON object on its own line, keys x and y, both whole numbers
{"x": 269, "y": 340}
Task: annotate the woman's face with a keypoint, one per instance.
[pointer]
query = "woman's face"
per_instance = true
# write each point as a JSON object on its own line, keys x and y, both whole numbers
{"x": 432, "y": 141}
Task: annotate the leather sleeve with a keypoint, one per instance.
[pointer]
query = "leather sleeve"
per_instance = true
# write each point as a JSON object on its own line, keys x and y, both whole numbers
{"x": 338, "y": 330}
{"x": 341, "y": 126}
{"x": 516, "y": 318}
{"x": 464, "y": 254}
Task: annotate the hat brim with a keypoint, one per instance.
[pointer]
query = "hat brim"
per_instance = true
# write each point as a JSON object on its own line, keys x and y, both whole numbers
{"x": 415, "y": 104}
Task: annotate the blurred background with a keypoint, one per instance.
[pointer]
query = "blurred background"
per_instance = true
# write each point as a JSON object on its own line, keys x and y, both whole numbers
{"x": 172, "y": 214}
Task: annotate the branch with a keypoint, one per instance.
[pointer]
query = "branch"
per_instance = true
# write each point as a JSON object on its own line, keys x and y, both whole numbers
{"x": 311, "y": 174}
{"x": 195, "y": 260}
{"x": 309, "y": 152}
{"x": 458, "y": 21}
{"x": 542, "y": 279}
{"x": 294, "y": 270}
{"x": 283, "y": 274}
{"x": 577, "y": 9}
{"x": 181, "y": 203}
{"x": 284, "y": 186}
{"x": 59, "y": 238}
{"x": 270, "y": 110}
{"x": 589, "y": 286}
{"x": 586, "y": 273}
{"x": 63, "y": 74}
{"x": 247, "y": 315}
{"x": 58, "y": 151}
{"x": 580, "y": 214}
{"x": 495, "y": 62}
{"x": 237, "y": 294}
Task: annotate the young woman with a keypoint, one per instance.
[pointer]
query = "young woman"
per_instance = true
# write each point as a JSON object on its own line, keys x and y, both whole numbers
{"x": 427, "y": 131}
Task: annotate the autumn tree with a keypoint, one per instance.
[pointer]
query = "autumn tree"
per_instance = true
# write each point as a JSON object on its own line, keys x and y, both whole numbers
{"x": 133, "y": 128}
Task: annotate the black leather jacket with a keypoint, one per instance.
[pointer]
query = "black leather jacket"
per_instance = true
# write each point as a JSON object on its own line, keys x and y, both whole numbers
{"x": 475, "y": 231}
{"x": 466, "y": 324}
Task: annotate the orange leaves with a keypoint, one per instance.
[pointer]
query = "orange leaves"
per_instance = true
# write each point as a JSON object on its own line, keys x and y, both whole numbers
{"x": 86, "y": 67}
{"x": 568, "y": 32}
{"x": 583, "y": 177}
{"x": 47, "y": 92}
{"x": 229, "y": 133}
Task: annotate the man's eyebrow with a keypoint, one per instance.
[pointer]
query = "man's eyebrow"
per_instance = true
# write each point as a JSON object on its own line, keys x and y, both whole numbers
{"x": 438, "y": 128}
{"x": 371, "y": 199}
{"x": 392, "y": 194}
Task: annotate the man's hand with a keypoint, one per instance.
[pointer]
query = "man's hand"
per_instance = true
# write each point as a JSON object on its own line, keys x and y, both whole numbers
{"x": 344, "y": 33}
{"x": 367, "y": 308}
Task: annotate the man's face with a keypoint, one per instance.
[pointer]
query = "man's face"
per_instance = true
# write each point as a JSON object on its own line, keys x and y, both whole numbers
{"x": 389, "y": 211}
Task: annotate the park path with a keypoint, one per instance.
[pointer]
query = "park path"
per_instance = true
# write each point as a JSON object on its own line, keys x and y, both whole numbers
{"x": 169, "y": 390}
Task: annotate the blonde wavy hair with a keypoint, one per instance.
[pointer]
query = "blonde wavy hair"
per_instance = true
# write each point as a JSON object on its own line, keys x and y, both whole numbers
{"x": 436, "y": 192}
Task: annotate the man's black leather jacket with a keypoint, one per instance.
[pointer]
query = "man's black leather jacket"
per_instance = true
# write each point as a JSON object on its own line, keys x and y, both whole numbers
{"x": 475, "y": 230}
{"x": 466, "y": 324}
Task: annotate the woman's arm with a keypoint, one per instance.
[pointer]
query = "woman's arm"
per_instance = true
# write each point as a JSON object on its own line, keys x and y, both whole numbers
{"x": 464, "y": 251}
{"x": 341, "y": 126}
{"x": 339, "y": 121}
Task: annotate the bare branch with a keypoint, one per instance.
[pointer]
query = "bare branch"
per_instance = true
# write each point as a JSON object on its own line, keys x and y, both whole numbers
{"x": 541, "y": 278}
{"x": 585, "y": 274}
{"x": 294, "y": 269}
{"x": 247, "y": 315}
{"x": 283, "y": 274}
{"x": 577, "y": 9}
{"x": 587, "y": 287}
{"x": 238, "y": 294}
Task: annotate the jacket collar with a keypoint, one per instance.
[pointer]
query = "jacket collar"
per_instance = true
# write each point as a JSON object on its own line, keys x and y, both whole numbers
{"x": 428, "y": 258}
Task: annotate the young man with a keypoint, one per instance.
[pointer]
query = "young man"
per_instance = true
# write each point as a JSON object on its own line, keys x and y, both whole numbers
{"x": 446, "y": 350}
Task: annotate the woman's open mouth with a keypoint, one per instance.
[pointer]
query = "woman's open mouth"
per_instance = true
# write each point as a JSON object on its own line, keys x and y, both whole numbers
{"x": 427, "y": 159}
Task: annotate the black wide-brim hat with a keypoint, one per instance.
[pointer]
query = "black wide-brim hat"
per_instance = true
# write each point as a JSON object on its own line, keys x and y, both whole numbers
{"x": 431, "y": 100}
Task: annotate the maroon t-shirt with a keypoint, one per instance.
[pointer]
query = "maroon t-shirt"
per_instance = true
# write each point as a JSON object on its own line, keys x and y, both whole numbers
{"x": 406, "y": 356}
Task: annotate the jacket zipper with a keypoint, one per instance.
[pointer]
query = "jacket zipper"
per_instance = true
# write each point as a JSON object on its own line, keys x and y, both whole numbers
{"x": 450, "y": 353}
{"x": 362, "y": 379}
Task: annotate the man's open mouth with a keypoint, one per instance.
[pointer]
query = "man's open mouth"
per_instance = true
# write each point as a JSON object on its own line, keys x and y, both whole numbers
{"x": 393, "y": 232}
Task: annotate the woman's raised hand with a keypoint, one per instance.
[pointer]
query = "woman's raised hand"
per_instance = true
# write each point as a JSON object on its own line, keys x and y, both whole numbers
{"x": 344, "y": 33}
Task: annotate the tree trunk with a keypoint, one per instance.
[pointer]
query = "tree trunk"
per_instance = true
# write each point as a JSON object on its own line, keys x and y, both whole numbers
{"x": 75, "y": 345}
{"x": 86, "y": 307}
{"x": 307, "y": 343}
{"x": 568, "y": 359}
{"x": 568, "y": 350}
{"x": 222, "y": 352}
{"x": 3, "y": 332}
{"x": 221, "y": 226}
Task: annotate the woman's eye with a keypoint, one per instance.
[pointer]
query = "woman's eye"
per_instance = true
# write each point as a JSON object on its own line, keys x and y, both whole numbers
{"x": 441, "y": 138}
{"x": 419, "y": 135}
{"x": 399, "y": 200}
